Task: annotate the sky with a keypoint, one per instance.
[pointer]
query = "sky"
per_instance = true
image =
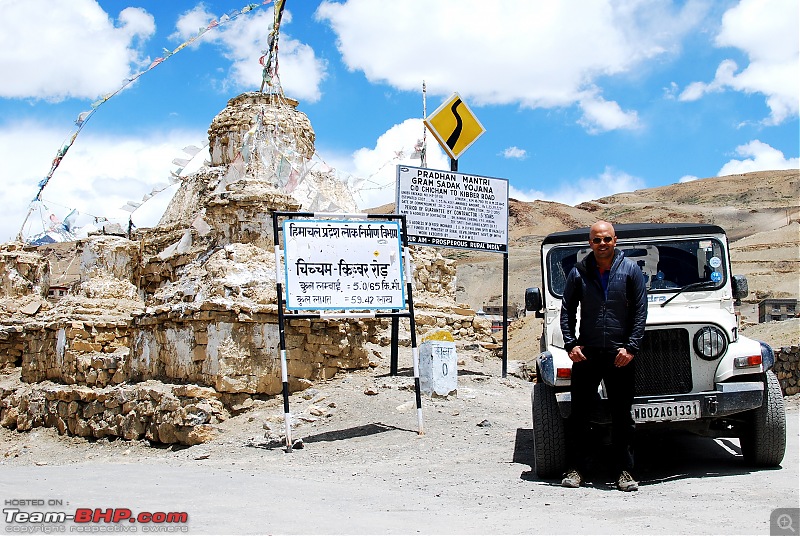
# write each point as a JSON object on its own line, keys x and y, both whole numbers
{"x": 579, "y": 98}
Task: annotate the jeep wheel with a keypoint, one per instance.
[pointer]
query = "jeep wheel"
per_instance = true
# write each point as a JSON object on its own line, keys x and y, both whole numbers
{"x": 549, "y": 444}
{"x": 764, "y": 436}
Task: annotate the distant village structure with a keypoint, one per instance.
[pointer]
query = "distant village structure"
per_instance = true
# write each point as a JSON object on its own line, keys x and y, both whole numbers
{"x": 166, "y": 332}
{"x": 776, "y": 309}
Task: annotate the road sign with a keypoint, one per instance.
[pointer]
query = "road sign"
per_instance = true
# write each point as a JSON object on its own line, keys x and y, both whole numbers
{"x": 343, "y": 264}
{"x": 446, "y": 209}
{"x": 454, "y": 126}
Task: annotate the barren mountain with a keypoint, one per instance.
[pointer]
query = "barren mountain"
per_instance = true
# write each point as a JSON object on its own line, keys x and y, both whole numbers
{"x": 760, "y": 212}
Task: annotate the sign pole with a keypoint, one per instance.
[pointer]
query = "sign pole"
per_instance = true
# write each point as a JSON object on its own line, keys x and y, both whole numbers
{"x": 413, "y": 330}
{"x": 287, "y": 417}
{"x": 451, "y": 209}
{"x": 505, "y": 314}
{"x": 339, "y": 270}
{"x": 394, "y": 345}
{"x": 453, "y": 164}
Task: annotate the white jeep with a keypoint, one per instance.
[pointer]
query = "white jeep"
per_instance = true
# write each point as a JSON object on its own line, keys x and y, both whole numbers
{"x": 694, "y": 370}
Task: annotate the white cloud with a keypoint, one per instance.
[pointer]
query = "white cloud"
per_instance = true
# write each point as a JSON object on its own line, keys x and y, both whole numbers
{"x": 600, "y": 115}
{"x": 762, "y": 157}
{"x": 396, "y": 146}
{"x": 726, "y": 72}
{"x": 58, "y": 49}
{"x": 526, "y": 195}
{"x": 243, "y": 41}
{"x": 768, "y": 33}
{"x": 687, "y": 178}
{"x": 609, "y": 182}
{"x": 372, "y": 172}
{"x": 96, "y": 177}
{"x": 515, "y": 152}
{"x": 695, "y": 91}
{"x": 535, "y": 54}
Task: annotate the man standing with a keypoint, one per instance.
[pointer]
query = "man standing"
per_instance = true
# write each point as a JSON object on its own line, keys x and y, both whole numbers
{"x": 612, "y": 293}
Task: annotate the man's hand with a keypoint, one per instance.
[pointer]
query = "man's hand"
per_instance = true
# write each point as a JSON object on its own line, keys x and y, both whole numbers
{"x": 576, "y": 354}
{"x": 623, "y": 357}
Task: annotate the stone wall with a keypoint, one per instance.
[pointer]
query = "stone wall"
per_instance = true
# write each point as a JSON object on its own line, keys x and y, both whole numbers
{"x": 118, "y": 380}
{"x": 155, "y": 411}
{"x": 434, "y": 276}
{"x": 230, "y": 352}
{"x": 787, "y": 369}
{"x": 91, "y": 354}
{"x": 23, "y": 273}
{"x": 12, "y": 346}
{"x": 239, "y": 352}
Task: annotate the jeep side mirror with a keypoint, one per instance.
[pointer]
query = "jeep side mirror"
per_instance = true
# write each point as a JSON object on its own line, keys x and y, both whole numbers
{"x": 740, "y": 289}
{"x": 533, "y": 300}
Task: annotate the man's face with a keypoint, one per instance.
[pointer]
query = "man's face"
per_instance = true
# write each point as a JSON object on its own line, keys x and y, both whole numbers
{"x": 602, "y": 240}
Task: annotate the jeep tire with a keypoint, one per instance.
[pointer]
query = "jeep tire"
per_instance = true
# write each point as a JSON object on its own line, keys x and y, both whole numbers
{"x": 763, "y": 437}
{"x": 549, "y": 442}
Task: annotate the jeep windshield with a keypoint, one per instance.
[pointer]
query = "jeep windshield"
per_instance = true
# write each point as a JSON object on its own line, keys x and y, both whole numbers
{"x": 668, "y": 265}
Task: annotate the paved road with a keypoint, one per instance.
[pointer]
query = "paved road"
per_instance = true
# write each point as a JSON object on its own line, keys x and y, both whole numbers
{"x": 689, "y": 485}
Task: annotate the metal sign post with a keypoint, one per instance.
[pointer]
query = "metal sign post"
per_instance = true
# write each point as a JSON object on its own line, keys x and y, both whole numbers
{"x": 457, "y": 210}
{"x": 342, "y": 268}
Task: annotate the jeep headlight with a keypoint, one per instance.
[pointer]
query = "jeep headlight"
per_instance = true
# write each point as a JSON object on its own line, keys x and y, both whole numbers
{"x": 710, "y": 342}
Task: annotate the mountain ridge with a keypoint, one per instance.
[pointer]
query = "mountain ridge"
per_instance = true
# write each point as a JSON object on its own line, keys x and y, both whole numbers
{"x": 762, "y": 207}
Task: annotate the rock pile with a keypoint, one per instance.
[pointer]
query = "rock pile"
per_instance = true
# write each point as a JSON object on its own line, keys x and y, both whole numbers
{"x": 155, "y": 411}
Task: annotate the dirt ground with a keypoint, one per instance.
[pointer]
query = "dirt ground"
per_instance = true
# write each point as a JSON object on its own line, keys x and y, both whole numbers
{"x": 363, "y": 404}
{"x": 355, "y": 410}
{"x": 363, "y": 468}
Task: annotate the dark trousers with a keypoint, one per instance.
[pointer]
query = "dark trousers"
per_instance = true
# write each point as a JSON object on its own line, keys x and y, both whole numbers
{"x": 619, "y": 382}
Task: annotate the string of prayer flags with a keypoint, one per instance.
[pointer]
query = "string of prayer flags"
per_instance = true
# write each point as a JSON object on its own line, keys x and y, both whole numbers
{"x": 84, "y": 117}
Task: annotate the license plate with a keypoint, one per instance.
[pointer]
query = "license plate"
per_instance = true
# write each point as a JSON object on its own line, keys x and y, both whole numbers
{"x": 666, "y": 411}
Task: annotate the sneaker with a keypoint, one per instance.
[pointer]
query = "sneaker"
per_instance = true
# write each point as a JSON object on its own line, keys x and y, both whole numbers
{"x": 625, "y": 482}
{"x": 572, "y": 479}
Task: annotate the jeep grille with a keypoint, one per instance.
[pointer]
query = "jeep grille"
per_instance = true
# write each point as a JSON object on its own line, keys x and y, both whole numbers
{"x": 663, "y": 366}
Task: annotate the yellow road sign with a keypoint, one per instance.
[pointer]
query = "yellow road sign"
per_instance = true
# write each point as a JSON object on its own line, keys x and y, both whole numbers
{"x": 454, "y": 126}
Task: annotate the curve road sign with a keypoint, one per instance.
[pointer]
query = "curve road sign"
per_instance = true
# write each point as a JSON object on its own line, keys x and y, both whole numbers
{"x": 454, "y": 126}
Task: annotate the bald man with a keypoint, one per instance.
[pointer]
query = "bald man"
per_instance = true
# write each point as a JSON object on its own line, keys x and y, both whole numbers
{"x": 612, "y": 293}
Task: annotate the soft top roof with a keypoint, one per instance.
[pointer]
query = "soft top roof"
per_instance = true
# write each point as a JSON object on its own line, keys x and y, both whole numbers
{"x": 636, "y": 230}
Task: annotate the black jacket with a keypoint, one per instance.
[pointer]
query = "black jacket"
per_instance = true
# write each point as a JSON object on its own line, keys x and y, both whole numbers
{"x": 611, "y": 323}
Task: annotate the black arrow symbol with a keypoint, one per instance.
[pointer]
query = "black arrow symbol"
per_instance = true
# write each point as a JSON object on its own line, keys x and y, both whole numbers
{"x": 451, "y": 141}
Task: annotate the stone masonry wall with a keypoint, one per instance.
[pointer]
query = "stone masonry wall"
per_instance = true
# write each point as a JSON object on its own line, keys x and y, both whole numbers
{"x": 231, "y": 352}
{"x": 12, "y": 344}
{"x": 158, "y": 412}
{"x": 218, "y": 356}
{"x": 787, "y": 369}
{"x": 239, "y": 352}
{"x": 218, "y": 349}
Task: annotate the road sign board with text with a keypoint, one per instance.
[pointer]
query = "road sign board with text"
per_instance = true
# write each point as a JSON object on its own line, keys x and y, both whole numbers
{"x": 447, "y": 209}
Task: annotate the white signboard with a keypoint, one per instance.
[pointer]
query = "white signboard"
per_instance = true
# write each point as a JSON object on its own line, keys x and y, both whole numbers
{"x": 332, "y": 264}
{"x": 449, "y": 209}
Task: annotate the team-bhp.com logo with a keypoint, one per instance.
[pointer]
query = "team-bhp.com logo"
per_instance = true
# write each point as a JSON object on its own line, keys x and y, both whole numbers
{"x": 93, "y": 520}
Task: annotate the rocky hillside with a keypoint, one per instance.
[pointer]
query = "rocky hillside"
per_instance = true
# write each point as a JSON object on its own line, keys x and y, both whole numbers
{"x": 760, "y": 212}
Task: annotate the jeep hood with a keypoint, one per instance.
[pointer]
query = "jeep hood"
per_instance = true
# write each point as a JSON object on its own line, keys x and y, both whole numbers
{"x": 678, "y": 316}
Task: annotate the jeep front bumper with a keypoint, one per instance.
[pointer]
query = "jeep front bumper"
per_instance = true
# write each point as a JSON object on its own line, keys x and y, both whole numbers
{"x": 727, "y": 399}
